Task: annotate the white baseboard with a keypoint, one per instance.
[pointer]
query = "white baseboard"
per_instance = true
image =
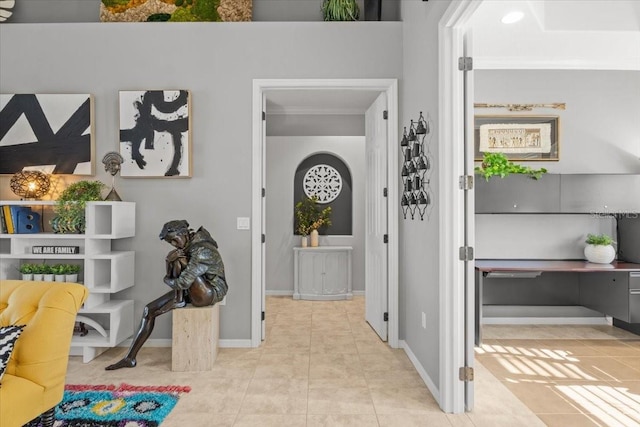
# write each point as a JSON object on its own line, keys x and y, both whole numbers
{"x": 278, "y": 293}
{"x": 423, "y": 374}
{"x": 234, "y": 343}
{"x": 164, "y": 342}
{"x": 358, "y": 293}
{"x": 544, "y": 321}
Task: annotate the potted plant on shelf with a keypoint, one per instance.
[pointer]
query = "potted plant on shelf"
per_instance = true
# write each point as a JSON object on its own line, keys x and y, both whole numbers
{"x": 59, "y": 271}
{"x": 71, "y": 273}
{"x": 26, "y": 270}
{"x": 497, "y": 164}
{"x": 47, "y": 274}
{"x": 39, "y": 270}
{"x": 70, "y": 206}
{"x": 340, "y": 10}
{"x": 599, "y": 249}
{"x": 310, "y": 217}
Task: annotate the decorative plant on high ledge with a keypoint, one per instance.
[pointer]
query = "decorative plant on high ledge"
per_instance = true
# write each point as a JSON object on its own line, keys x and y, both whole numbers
{"x": 310, "y": 217}
{"x": 497, "y": 164}
{"x": 340, "y": 10}
{"x": 70, "y": 206}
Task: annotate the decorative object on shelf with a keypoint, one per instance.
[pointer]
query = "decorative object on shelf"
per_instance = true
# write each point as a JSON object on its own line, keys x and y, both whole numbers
{"x": 27, "y": 221}
{"x": 523, "y": 107}
{"x": 310, "y": 217}
{"x": 497, "y": 164}
{"x": 314, "y": 238}
{"x": 416, "y": 169}
{"x": 55, "y": 250}
{"x": 66, "y": 148}
{"x": 323, "y": 182}
{"x": 30, "y": 184}
{"x": 84, "y": 320}
{"x": 70, "y": 206}
{"x": 599, "y": 249}
{"x": 303, "y": 241}
{"x": 522, "y": 138}
{"x": 340, "y": 10}
{"x": 26, "y": 270}
{"x": 373, "y": 10}
{"x": 112, "y": 164}
{"x": 176, "y": 11}
{"x": 160, "y": 118}
{"x": 5, "y": 9}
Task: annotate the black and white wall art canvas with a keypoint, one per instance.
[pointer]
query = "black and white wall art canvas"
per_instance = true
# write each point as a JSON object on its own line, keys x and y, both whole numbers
{"x": 52, "y": 133}
{"x": 155, "y": 133}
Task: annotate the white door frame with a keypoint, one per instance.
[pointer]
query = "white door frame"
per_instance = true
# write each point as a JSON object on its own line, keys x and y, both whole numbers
{"x": 260, "y": 86}
{"x": 451, "y": 30}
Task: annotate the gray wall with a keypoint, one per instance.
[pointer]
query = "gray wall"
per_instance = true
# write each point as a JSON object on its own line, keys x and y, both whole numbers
{"x": 599, "y": 131}
{"x": 315, "y": 124}
{"x": 284, "y": 154}
{"x": 419, "y": 240}
{"x": 30, "y": 11}
{"x": 217, "y": 63}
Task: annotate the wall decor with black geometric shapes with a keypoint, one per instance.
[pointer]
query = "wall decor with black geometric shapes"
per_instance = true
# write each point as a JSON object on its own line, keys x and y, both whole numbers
{"x": 415, "y": 145}
{"x": 328, "y": 178}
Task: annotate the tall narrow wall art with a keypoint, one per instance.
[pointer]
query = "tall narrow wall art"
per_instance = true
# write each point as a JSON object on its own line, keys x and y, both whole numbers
{"x": 52, "y": 133}
{"x": 155, "y": 133}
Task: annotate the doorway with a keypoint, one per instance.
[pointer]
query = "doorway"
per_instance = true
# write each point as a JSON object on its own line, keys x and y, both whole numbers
{"x": 261, "y": 89}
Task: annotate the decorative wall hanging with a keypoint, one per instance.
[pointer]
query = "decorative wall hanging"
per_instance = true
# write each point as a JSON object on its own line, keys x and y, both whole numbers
{"x": 523, "y": 107}
{"x": 175, "y": 10}
{"x": 154, "y": 133}
{"x": 520, "y": 138}
{"x": 323, "y": 182}
{"x": 416, "y": 169}
{"x": 52, "y": 133}
{"x": 5, "y": 9}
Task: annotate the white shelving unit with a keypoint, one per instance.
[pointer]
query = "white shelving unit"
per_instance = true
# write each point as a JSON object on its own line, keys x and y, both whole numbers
{"x": 103, "y": 271}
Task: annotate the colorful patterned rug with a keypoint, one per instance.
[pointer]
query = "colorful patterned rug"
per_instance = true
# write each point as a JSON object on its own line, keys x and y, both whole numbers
{"x": 115, "y": 406}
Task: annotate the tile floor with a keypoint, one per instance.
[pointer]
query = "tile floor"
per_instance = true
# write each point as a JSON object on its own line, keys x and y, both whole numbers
{"x": 568, "y": 375}
{"x": 321, "y": 365}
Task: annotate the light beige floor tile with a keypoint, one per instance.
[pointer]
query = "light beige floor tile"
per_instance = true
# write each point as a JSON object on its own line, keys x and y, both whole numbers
{"x": 333, "y": 342}
{"x": 226, "y": 395}
{"x": 271, "y": 420}
{"x": 431, "y": 419}
{"x": 275, "y": 396}
{"x": 287, "y": 366}
{"x": 179, "y": 418}
{"x": 633, "y": 362}
{"x": 345, "y": 400}
{"x": 503, "y": 420}
{"x": 460, "y": 420}
{"x": 294, "y": 343}
{"x": 614, "y": 348}
{"x": 335, "y": 370}
{"x": 609, "y": 369}
{"x": 372, "y": 346}
{"x": 543, "y": 399}
{"x": 342, "y": 420}
{"x": 389, "y": 360}
{"x": 410, "y": 400}
{"x": 393, "y": 379}
{"x": 569, "y": 420}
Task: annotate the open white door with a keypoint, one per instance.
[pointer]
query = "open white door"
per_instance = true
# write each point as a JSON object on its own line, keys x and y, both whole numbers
{"x": 263, "y": 220}
{"x": 376, "y": 256}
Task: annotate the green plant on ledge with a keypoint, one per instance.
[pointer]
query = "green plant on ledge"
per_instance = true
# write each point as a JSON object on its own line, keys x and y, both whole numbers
{"x": 340, "y": 10}
{"x": 497, "y": 164}
{"x": 310, "y": 217}
{"x": 599, "y": 240}
{"x": 70, "y": 206}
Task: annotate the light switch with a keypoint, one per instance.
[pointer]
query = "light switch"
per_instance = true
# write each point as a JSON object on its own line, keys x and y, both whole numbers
{"x": 243, "y": 223}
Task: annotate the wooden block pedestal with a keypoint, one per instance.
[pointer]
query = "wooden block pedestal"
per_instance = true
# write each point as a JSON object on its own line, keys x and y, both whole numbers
{"x": 195, "y": 338}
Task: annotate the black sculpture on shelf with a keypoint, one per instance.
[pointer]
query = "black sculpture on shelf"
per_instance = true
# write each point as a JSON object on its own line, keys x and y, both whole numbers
{"x": 416, "y": 169}
{"x": 112, "y": 162}
{"x": 194, "y": 272}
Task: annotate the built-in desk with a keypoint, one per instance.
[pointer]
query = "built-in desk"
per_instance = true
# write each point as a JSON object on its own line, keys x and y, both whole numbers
{"x": 612, "y": 289}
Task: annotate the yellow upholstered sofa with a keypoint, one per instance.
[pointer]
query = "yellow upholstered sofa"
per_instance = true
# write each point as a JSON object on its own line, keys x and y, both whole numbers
{"x": 33, "y": 382}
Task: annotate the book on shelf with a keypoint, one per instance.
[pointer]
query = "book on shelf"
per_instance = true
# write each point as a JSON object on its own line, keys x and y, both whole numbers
{"x": 3, "y": 223}
{"x": 6, "y": 209}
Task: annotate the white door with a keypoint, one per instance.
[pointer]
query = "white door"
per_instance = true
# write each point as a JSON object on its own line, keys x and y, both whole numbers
{"x": 263, "y": 209}
{"x": 376, "y": 280}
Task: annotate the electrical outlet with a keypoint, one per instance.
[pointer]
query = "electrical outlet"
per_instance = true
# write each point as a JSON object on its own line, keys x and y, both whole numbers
{"x": 242, "y": 223}
{"x": 424, "y": 320}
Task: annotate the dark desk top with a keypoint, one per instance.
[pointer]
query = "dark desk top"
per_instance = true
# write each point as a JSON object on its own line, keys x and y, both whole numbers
{"x": 490, "y": 265}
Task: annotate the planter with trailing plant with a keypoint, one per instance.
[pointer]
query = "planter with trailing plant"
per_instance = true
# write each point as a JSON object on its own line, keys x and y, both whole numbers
{"x": 497, "y": 164}
{"x": 340, "y": 10}
{"x": 70, "y": 206}
{"x": 310, "y": 217}
{"x": 599, "y": 249}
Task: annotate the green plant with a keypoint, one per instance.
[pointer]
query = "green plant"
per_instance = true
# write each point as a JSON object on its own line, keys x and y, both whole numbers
{"x": 72, "y": 269}
{"x": 41, "y": 269}
{"x": 310, "y": 217}
{"x": 58, "y": 269}
{"x": 340, "y": 10}
{"x": 599, "y": 239}
{"x": 497, "y": 164}
{"x": 71, "y": 204}
{"x": 26, "y": 268}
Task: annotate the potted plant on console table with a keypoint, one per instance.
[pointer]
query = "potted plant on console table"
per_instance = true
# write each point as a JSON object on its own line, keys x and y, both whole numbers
{"x": 310, "y": 218}
{"x": 599, "y": 249}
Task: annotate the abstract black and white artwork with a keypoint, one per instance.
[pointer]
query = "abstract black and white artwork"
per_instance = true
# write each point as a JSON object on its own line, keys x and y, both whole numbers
{"x": 52, "y": 133}
{"x": 154, "y": 133}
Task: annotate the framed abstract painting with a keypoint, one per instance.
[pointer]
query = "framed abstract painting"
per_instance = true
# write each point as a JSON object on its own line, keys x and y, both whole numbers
{"x": 155, "y": 133}
{"x": 52, "y": 133}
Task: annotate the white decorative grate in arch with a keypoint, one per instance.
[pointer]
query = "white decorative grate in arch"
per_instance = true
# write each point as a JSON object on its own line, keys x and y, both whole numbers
{"x": 322, "y": 181}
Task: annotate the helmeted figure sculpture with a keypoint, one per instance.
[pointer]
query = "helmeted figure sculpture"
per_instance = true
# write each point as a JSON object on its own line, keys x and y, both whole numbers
{"x": 194, "y": 272}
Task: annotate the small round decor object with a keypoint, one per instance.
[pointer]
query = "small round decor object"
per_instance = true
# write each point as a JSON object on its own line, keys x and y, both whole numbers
{"x": 30, "y": 184}
{"x": 599, "y": 254}
{"x": 322, "y": 181}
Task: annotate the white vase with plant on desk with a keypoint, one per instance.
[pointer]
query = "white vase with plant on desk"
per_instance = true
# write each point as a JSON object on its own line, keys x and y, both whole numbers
{"x": 599, "y": 249}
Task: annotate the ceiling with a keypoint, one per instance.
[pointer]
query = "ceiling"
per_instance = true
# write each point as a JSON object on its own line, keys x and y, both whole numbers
{"x": 554, "y": 34}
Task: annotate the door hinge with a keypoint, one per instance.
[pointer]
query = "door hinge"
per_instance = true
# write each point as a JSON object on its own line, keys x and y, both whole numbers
{"x": 264, "y": 238}
{"x": 264, "y": 192}
{"x": 385, "y": 192}
{"x": 466, "y": 253}
{"x": 465, "y": 373}
{"x": 385, "y": 317}
{"x": 385, "y": 115}
{"x": 264, "y": 115}
{"x": 263, "y": 316}
{"x": 386, "y": 238}
{"x": 466, "y": 182}
{"x": 465, "y": 63}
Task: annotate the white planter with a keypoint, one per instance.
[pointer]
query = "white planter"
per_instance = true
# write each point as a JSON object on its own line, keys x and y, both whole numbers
{"x": 59, "y": 277}
{"x": 38, "y": 277}
{"x": 48, "y": 277}
{"x": 303, "y": 241}
{"x": 599, "y": 254}
{"x": 73, "y": 278}
{"x": 27, "y": 276}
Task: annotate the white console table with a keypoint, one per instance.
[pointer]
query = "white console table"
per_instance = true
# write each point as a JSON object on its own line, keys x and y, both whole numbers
{"x": 322, "y": 273}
